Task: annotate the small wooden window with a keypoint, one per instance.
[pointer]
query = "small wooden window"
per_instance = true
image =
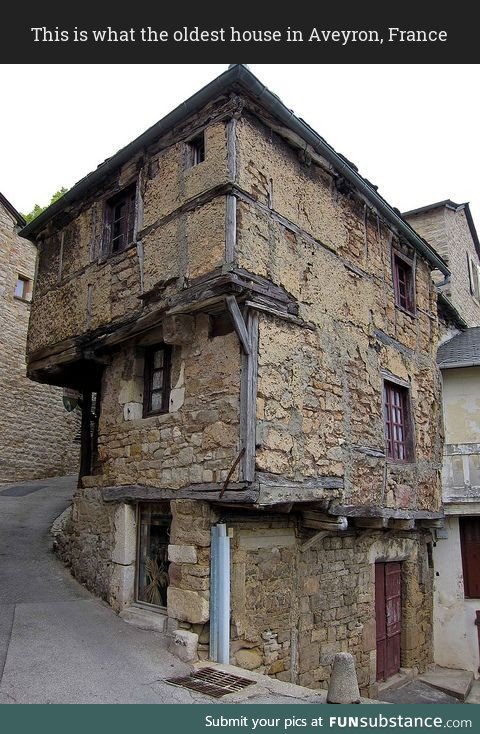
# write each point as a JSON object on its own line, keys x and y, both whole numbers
{"x": 404, "y": 282}
{"x": 196, "y": 148}
{"x": 120, "y": 221}
{"x": 474, "y": 277}
{"x": 470, "y": 543}
{"x": 156, "y": 393}
{"x": 23, "y": 288}
{"x": 398, "y": 430}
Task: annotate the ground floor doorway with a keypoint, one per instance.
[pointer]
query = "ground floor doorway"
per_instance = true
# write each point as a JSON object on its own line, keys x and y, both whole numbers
{"x": 388, "y": 612}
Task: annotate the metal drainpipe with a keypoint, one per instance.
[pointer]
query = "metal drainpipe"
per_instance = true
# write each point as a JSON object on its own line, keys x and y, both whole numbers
{"x": 220, "y": 595}
{"x": 223, "y": 595}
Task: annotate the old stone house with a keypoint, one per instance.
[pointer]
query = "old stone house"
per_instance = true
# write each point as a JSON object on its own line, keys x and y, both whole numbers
{"x": 255, "y": 328}
{"x": 36, "y": 433}
{"x": 450, "y": 228}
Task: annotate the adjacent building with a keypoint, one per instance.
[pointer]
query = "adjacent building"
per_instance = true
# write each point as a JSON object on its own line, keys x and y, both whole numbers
{"x": 254, "y": 333}
{"x": 37, "y": 436}
{"x": 449, "y": 227}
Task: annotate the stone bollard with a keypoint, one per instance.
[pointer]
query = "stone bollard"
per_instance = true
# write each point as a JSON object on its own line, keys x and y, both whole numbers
{"x": 343, "y": 686}
{"x": 184, "y": 645}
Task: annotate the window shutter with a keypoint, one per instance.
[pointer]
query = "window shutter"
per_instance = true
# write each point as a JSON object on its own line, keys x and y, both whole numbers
{"x": 470, "y": 542}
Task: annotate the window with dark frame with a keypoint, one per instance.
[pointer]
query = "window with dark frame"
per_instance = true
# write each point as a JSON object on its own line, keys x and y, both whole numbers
{"x": 470, "y": 545}
{"x": 196, "y": 148}
{"x": 397, "y": 422}
{"x": 156, "y": 393}
{"x": 120, "y": 220}
{"x": 403, "y": 282}
{"x": 23, "y": 288}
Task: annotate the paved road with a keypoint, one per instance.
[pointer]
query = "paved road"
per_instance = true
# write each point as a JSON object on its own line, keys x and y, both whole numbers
{"x": 58, "y": 643}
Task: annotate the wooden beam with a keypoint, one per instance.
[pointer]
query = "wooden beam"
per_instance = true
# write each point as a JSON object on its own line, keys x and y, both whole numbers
{"x": 248, "y": 400}
{"x": 375, "y": 523}
{"x": 236, "y": 493}
{"x": 239, "y": 323}
{"x": 397, "y": 524}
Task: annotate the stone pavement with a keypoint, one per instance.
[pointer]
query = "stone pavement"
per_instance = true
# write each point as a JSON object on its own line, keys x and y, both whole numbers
{"x": 438, "y": 685}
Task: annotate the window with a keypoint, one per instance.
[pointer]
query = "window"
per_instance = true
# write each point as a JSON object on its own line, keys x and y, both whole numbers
{"x": 403, "y": 282}
{"x": 474, "y": 277}
{"x": 196, "y": 148}
{"x": 120, "y": 221}
{"x": 397, "y": 422}
{"x": 152, "y": 557}
{"x": 470, "y": 543}
{"x": 23, "y": 288}
{"x": 156, "y": 392}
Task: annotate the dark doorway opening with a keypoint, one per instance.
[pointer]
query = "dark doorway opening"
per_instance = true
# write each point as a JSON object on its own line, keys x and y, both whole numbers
{"x": 154, "y": 520}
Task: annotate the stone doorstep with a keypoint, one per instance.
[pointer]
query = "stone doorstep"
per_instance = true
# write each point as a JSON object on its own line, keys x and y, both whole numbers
{"x": 455, "y": 683}
{"x": 145, "y": 619}
{"x": 396, "y": 681}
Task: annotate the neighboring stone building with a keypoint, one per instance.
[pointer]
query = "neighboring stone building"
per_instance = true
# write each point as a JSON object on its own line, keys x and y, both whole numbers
{"x": 258, "y": 329}
{"x": 37, "y": 435}
{"x": 450, "y": 229}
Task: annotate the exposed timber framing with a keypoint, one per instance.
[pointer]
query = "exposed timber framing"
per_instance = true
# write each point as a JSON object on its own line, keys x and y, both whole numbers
{"x": 248, "y": 399}
{"x": 236, "y": 493}
{"x": 239, "y": 323}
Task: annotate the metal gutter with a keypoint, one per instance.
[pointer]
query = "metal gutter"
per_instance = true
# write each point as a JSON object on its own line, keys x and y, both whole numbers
{"x": 240, "y": 75}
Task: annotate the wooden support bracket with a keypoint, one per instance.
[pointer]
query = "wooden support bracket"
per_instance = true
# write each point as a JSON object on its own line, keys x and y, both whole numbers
{"x": 239, "y": 323}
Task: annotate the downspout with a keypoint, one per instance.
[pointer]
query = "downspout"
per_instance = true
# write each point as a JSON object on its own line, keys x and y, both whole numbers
{"x": 220, "y": 595}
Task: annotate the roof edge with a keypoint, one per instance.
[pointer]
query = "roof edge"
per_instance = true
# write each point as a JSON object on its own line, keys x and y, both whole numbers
{"x": 242, "y": 75}
{"x": 11, "y": 209}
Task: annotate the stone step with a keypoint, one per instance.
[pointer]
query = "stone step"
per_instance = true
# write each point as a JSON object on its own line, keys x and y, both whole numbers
{"x": 455, "y": 683}
{"x": 145, "y": 619}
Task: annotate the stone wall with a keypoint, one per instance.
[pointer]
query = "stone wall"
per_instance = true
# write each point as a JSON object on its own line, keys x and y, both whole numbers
{"x": 293, "y": 609}
{"x": 197, "y": 440}
{"x": 37, "y": 435}
{"x": 320, "y": 401}
{"x": 176, "y": 241}
{"x": 447, "y": 230}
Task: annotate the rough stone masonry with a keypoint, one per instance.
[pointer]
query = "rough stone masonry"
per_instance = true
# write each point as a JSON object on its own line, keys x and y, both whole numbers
{"x": 37, "y": 435}
{"x": 266, "y": 271}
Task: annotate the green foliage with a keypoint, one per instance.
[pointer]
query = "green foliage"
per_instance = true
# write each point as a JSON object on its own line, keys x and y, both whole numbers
{"x": 37, "y": 209}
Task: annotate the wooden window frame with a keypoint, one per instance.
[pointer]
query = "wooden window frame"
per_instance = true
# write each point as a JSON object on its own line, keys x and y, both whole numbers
{"x": 474, "y": 277}
{"x": 196, "y": 150}
{"x": 398, "y": 421}
{"x": 471, "y": 570}
{"x": 126, "y": 234}
{"x": 149, "y": 372}
{"x": 26, "y": 288}
{"x": 404, "y": 288}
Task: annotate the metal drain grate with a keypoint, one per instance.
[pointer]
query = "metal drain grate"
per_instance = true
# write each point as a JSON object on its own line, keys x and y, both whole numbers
{"x": 212, "y": 682}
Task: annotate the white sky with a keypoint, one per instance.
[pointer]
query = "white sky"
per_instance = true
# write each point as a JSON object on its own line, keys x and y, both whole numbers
{"x": 411, "y": 129}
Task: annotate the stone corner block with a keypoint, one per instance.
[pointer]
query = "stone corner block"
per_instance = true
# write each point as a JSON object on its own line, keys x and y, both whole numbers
{"x": 182, "y": 554}
{"x": 187, "y": 606}
{"x": 184, "y": 645}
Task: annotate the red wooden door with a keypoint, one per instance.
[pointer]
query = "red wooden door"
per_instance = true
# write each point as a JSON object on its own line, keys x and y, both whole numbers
{"x": 388, "y": 611}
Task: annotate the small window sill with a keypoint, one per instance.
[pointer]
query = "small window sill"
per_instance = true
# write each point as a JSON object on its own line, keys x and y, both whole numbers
{"x": 23, "y": 300}
{"x": 116, "y": 256}
{"x": 400, "y": 462}
{"x": 412, "y": 314}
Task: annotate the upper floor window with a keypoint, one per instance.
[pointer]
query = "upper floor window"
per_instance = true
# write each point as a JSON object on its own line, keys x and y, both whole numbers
{"x": 156, "y": 390}
{"x": 23, "y": 288}
{"x": 196, "y": 149}
{"x": 470, "y": 545}
{"x": 474, "y": 277}
{"x": 398, "y": 430}
{"x": 403, "y": 282}
{"x": 120, "y": 220}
